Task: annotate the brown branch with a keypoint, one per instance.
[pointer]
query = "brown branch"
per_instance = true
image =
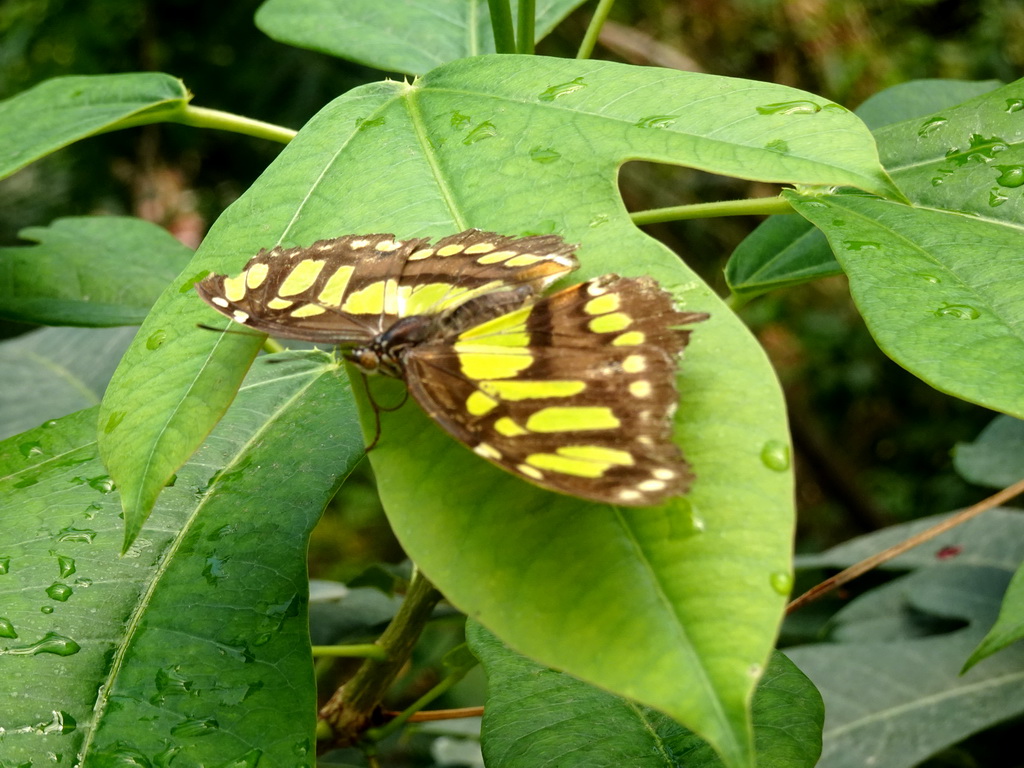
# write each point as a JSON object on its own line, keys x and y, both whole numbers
{"x": 885, "y": 555}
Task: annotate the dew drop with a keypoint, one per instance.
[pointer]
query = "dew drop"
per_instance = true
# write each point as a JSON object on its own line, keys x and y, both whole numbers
{"x": 195, "y": 727}
{"x": 996, "y": 198}
{"x": 213, "y": 571}
{"x": 156, "y": 340}
{"x": 66, "y": 566}
{"x": 775, "y": 455}
{"x": 5, "y": 565}
{"x": 838, "y": 222}
{"x": 50, "y": 424}
{"x": 7, "y": 628}
{"x": 485, "y": 130}
{"x": 562, "y": 89}
{"x": 781, "y": 582}
{"x": 777, "y": 145}
{"x": 363, "y": 123}
{"x": 46, "y": 609}
{"x": 91, "y": 510}
{"x": 931, "y": 125}
{"x": 597, "y": 221}
{"x": 544, "y": 155}
{"x": 170, "y": 682}
{"x": 249, "y": 760}
{"x": 460, "y": 120}
{"x": 980, "y": 149}
{"x": 83, "y": 582}
{"x": 25, "y": 482}
{"x": 1011, "y": 176}
{"x": 50, "y": 643}
{"x": 78, "y": 535}
{"x": 115, "y": 418}
{"x": 928, "y": 278}
{"x": 656, "y": 121}
{"x": 102, "y": 483}
{"x": 860, "y": 245}
{"x": 958, "y": 312}
{"x": 798, "y": 107}
{"x": 1014, "y": 105}
{"x": 30, "y": 449}
{"x": 59, "y": 592}
{"x": 62, "y": 722}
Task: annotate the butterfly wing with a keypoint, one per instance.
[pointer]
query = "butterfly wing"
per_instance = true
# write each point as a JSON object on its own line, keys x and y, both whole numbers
{"x": 574, "y": 392}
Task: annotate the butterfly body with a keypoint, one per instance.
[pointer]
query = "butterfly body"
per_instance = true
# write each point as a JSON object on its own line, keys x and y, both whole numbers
{"x": 574, "y": 391}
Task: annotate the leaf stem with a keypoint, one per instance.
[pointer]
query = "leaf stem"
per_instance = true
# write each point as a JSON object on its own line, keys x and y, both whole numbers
{"x": 604, "y": 7}
{"x": 501, "y": 24}
{"x": 524, "y": 30}
{"x": 885, "y": 555}
{"x": 352, "y": 707}
{"x": 363, "y": 650}
{"x": 763, "y": 206}
{"x": 201, "y": 117}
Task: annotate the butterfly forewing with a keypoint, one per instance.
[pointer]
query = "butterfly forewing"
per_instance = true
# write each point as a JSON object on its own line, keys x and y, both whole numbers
{"x": 575, "y": 392}
{"x": 349, "y": 289}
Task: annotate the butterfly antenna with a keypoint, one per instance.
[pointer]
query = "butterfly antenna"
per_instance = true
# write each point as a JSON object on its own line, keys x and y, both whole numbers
{"x": 376, "y": 412}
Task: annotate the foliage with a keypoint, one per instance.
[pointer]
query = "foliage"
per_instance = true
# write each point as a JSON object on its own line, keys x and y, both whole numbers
{"x": 191, "y": 648}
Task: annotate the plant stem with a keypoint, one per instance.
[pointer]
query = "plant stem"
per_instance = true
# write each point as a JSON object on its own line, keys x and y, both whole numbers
{"x": 501, "y": 23}
{"x": 351, "y": 709}
{"x": 526, "y": 23}
{"x": 604, "y": 7}
{"x": 201, "y": 117}
{"x": 752, "y": 206}
{"x": 365, "y": 650}
{"x": 379, "y": 734}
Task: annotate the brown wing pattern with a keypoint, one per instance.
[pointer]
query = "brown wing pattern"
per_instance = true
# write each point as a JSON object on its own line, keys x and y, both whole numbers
{"x": 594, "y": 363}
{"x": 347, "y": 290}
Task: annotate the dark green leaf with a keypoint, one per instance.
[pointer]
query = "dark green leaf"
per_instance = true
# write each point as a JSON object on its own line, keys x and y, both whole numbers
{"x": 192, "y": 646}
{"x": 996, "y": 458}
{"x": 537, "y": 716}
{"x": 90, "y": 271}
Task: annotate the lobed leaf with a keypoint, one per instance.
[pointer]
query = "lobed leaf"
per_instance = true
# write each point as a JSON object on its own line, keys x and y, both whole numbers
{"x": 996, "y": 458}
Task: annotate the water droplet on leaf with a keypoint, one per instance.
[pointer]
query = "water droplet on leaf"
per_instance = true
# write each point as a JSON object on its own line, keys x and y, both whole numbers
{"x": 562, "y": 89}
{"x": 544, "y": 155}
{"x": 1011, "y": 176}
{"x": 79, "y": 535}
{"x": 485, "y": 130}
{"x": 7, "y": 628}
{"x": 59, "y": 592}
{"x": 931, "y": 125}
{"x": 797, "y": 107}
{"x": 50, "y": 643}
{"x": 656, "y": 121}
{"x": 781, "y": 582}
{"x": 775, "y": 455}
{"x": 958, "y": 312}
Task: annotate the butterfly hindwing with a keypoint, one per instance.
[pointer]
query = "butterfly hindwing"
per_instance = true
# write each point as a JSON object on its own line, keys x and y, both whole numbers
{"x": 574, "y": 392}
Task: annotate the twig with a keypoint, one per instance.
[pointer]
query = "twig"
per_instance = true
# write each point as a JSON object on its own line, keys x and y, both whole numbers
{"x": 885, "y": 555}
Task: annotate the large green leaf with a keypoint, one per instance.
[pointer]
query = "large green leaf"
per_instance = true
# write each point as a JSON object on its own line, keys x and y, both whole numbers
{"x": 672, "y": 606}
{"x": 940, "y": 291}
{"x": 194, "y": 645}
{"x": 894, "y": 697}
{"x": 537, "y": 716}
{"x": 51, "y": 372}
{"x": 57, "y": 112}
{"x": 785, "y": 250}
{"x": 412, "y": 37}
{"x": 88, "y": 270}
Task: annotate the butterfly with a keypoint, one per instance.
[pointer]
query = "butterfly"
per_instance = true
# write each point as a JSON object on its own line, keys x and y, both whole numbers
{"x": 574, "y": 391}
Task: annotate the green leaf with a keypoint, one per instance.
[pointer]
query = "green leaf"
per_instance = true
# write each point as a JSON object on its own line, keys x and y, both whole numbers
{"x": 89, "y": 270}
{"x": 968, "y": 158}
{"x": 531, "y": 145}
{"x": 939, "y": 291}
{"x": 200, "y": 630}
{"x": 996, "y": 458}
{"x": 1009, "y": 627}
{"x": 891, "y": 703}
{"x": 413, "y": 37}
{"x": 784, "y": 250}
{"x": 63, "y": 110}
{"x": 51, "y": 372}
{"x": 537, "y": 716}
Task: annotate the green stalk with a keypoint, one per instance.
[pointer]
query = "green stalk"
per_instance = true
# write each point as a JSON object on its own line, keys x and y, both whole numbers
{"x": 350, "y": 710}
{"x": 359, "y": 651}
{"x": 527, "y": 23}
{"x": 501, "y": 23}
{"x": 763, "y": 206}
{"x": 604, "y": 7}
{"x": 201, "y": 117}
